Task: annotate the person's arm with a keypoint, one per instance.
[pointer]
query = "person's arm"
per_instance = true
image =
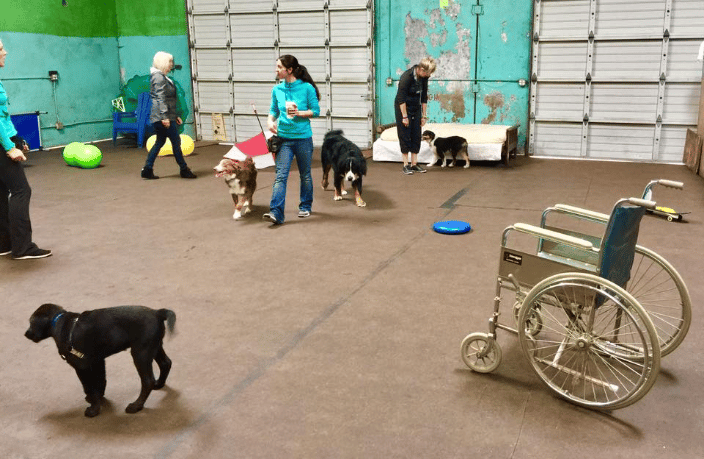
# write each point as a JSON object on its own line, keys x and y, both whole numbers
{"x": 404, "y": 84}
{"x": 424, "y": 101}
{"x": 313, "y": 104}
{"x": 157, "y": 84}
{"x": 273, "y": 113}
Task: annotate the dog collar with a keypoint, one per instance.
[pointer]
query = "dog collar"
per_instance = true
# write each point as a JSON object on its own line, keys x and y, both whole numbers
{"x": 56, "y": 317}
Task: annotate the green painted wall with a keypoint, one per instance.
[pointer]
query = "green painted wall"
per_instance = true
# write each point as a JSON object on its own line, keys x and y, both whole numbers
{"x": 482, "y": 49}
{"x": 95, "y": 45}
{"x": 154, "y": 18}
{"x": 81, "y": 18}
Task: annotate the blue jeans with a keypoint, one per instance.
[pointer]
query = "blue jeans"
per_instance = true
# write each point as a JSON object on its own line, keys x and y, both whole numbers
{"x": 302, "y": 149}
{"x": 162, "y": 133}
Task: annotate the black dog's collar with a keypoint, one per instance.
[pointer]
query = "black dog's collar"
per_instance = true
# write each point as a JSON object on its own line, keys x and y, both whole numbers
{"x": 56, "y": 318}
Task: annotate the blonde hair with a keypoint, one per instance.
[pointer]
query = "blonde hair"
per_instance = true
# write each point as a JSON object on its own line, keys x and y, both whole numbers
{"x": 428, "y": 64}
{"x": 163, "y": 61}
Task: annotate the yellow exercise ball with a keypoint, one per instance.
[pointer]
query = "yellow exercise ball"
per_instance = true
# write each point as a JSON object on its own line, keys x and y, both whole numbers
{"x": 187, "y": 145}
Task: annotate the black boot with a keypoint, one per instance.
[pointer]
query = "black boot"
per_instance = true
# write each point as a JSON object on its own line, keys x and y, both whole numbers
{"x": 186, "y": 173}
{"x": 148, "y": 173}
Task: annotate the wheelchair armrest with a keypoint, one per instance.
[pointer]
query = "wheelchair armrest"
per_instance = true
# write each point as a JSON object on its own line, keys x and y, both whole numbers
{"x": 596, "y": 217}
{"x": 550, "y": 235}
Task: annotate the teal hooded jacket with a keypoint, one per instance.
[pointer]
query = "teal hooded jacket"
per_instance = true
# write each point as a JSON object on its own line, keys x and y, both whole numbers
{"x": 304, "y": 95}
{"x": 7, "y": 129}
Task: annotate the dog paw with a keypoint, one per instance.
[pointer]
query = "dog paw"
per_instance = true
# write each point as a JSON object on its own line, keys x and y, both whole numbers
{"x": 361, "y": 203}
{"x": 466, "y": 166}
{"x": 237, "y": 215}
{"x": 133, "y": 408}
{"x": 451, "y": 164}
{"x": 92, "y": 411}
{"x": 344, "y": 192}
{"x": 337, "y": 198}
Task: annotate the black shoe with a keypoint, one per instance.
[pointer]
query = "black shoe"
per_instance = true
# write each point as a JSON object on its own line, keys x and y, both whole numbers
{"x": 34, "y": 253}
{"x": 5, "y": 252}
{"x": 187, "y": 173}
{"x": 408, "y": 170}
{"x": 417, "y": 168}
{"x": 148, "y": 173}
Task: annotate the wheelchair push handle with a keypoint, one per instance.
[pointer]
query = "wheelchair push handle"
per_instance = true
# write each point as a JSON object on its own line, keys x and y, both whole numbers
{"x": 671, "y": 184}
{"x": 642, "y": 203}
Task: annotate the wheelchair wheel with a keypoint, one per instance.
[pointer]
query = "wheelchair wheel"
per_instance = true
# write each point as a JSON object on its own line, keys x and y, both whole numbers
{"x": 480, "y": 352}
{"x": 597, "y": 346}
{"x": 659, "y": 288}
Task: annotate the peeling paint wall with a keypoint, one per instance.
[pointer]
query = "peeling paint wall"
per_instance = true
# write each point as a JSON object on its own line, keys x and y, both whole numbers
{"x": 482, "y": 50}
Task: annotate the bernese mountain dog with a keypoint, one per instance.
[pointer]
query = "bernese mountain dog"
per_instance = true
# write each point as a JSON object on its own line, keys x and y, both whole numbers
{"x": 443, "y": 147}
{"x": 347, "y": 164}
{"x": 241, "y": 178}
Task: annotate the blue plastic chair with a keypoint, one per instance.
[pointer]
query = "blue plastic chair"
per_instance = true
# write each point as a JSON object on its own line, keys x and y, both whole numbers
{"x": 140, "y": 115}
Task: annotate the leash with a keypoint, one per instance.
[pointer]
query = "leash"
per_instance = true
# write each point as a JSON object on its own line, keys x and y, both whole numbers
{"x": 71, "y": 349}
{"x": 256, "y": 115}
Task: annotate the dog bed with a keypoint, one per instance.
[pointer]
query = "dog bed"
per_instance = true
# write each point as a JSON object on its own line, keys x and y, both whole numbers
{"x": 487, "y": 142}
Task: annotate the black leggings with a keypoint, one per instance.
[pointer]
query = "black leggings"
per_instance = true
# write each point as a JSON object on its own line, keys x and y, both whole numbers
{"x": 15, "y": 227}
{"x": 409, "y": 137}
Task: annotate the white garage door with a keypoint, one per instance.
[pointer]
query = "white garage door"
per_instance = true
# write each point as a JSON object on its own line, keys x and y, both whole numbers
{"x": 615, "y": 79}
{"x": 234, "y": 47}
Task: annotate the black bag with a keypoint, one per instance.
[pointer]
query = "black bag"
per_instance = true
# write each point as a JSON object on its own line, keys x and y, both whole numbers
{"x": 273, "y": 144}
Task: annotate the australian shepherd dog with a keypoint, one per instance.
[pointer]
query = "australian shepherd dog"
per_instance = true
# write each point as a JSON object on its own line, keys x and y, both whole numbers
{"x": 347, "y": 164}
{"x": 241, "y": 178}
{"x": 444, "y": 147}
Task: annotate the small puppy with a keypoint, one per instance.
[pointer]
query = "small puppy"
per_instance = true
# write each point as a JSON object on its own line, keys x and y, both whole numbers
{"x": 347, "y": 163}
{"x": 443, "y": 147}
{"x": 241, "y": 177}
{"x": 84, "y": 340}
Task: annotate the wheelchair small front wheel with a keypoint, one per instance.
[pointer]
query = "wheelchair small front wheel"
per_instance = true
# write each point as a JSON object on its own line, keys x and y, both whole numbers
{"x": 480, "y": 352}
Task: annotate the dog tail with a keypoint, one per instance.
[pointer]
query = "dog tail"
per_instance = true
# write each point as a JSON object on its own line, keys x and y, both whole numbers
{"x": 169, "y": 316}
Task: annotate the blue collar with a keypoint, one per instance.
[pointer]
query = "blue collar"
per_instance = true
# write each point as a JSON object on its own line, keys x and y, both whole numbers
{"x": 56, "y": 317}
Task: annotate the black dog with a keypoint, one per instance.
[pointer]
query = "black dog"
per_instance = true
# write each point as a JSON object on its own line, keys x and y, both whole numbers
{"x": 347, "y": 163}
{"x": 85, "y": 340}
{"x": 443, "y": 147}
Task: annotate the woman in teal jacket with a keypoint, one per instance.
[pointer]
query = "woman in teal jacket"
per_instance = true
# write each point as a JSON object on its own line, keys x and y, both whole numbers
{"x": 294, "y": 102}
{"x": 15, "y": 227}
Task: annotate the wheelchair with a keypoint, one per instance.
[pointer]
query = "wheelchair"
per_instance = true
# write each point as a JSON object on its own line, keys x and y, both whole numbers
{"x": 585, "y": 336}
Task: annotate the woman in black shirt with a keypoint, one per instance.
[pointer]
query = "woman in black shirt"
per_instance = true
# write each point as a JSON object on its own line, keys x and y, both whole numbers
{"x": 411, "y": 107}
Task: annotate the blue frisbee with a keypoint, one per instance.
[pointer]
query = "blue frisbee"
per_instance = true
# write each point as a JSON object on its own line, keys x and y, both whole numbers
{"x": 452, "y": 227}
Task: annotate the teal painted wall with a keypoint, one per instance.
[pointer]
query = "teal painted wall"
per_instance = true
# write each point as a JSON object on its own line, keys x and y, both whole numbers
{"x": 482, "y": 49}
{"x": 95, "y": 45}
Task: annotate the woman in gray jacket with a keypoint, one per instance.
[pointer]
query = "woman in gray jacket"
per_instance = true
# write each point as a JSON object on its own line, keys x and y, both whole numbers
{"x": 164, "y": 115}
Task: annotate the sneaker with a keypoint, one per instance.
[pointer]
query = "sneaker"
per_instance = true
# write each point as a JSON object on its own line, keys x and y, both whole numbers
{"x": 5, "y": 252}
{"x": 303, "y": 213}
{"x": 269, "y": 216}
{"x": 34, "y": 253}
{"x": 418, "y": 168}
{"x": 187, "y": 173}
{"x": 408, "y": 170}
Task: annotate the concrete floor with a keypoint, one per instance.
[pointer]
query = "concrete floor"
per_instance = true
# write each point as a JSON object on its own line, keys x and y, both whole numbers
{"x": 335, "y": 336}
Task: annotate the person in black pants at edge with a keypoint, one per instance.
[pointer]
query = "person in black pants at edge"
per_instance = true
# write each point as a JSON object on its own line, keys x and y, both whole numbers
{"x": 411, "y": 107}
{"x": 15, "y": 227}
